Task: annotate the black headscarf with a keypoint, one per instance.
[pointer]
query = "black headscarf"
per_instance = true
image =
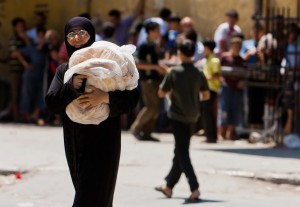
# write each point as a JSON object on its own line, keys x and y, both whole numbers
{"x": 79, "y": 23}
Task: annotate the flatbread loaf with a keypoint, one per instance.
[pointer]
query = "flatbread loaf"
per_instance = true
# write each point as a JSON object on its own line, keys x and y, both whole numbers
{"x": 109, "y": 68}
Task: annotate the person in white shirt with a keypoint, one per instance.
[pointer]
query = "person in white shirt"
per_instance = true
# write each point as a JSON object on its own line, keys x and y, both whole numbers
{"x": 225, "y": 31}
{"x": 162, "y": 20}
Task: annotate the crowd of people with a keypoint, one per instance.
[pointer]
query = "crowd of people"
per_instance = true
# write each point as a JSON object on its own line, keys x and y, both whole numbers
{"x": 183, "y": 88}
{"x": 34, "y": 55}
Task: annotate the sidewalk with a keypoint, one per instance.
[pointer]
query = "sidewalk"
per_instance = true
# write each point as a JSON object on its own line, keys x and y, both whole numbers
{"x": 264, "y": 162}
{"x": 229, "y": 173}
{"x": 253, "y": 161}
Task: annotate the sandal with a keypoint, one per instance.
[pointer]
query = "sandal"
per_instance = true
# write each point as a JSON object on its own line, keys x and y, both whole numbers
{"x": 162, "y": 189}
{"x": 194, "y": 197}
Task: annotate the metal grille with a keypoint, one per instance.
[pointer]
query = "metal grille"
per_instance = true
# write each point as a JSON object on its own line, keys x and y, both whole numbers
{"x": 279, "y": 72}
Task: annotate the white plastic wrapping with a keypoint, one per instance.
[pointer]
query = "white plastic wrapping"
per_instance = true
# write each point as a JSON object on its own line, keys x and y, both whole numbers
{"x": 109, "y": 68}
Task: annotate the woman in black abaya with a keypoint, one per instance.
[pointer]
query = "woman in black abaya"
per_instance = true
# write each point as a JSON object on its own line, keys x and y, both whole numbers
{"x": 92, "y": 151}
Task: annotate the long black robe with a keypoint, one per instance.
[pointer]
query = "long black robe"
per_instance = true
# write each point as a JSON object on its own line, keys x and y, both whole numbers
{"x": 92, "y": 151}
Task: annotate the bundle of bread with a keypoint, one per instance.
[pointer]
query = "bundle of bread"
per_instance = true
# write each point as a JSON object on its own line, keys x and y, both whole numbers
{"x": 107, "y": 67}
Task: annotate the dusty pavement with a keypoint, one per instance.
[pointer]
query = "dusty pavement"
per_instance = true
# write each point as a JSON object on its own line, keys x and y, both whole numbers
{"x": 229, "y": 173}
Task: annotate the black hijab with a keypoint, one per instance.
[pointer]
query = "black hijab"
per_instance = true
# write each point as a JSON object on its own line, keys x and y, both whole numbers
{"x": 79, "y": 23}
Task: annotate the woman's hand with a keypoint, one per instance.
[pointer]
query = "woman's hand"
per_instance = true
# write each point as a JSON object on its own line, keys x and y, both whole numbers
{"x": 77, "y": 80}
{"x": 93, "y": 98}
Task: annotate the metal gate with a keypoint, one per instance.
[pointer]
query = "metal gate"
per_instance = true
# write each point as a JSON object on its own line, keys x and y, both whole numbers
{"x": 279, "y": 72}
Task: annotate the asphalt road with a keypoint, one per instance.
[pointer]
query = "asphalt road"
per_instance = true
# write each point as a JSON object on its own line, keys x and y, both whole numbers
{"x": 40, "y": 152}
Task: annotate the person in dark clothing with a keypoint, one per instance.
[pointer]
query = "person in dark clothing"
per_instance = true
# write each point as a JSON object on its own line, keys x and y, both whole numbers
{"x": 18, "y": 40}
{"x": 123, "y": 25}
{"x": 108, "y": 32}
{"x": 150, "y": 77}
{"x": 33, "y": 59}
{"x": 92, "y": 151}
{"x": 184, "y": 82}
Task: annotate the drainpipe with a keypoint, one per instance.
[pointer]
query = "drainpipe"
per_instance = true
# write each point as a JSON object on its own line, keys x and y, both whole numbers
{"x": 89, "y": 6}
{"x": 258, "y": 7}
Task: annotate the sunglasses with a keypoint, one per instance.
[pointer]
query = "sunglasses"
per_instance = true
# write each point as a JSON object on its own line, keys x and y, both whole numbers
{"x": 80, "y": 33}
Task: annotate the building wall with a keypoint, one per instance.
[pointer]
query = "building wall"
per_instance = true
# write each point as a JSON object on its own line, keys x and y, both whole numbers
{"x": 208, "y": 14}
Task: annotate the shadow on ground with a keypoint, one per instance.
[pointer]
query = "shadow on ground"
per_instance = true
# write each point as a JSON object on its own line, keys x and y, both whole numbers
{"x": 188, "y": 202}
{"x": 266, "y": 152}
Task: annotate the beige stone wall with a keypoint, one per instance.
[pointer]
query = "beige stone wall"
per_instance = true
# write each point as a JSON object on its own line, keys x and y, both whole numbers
{"x": 292, "y": 4}
{"x": 208, "y": 14}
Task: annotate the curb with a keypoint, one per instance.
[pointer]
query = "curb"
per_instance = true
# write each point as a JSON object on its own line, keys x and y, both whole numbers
{"x": 276, "y": 178}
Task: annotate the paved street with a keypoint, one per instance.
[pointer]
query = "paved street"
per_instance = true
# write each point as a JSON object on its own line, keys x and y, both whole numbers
{"x": 229, "y": 173}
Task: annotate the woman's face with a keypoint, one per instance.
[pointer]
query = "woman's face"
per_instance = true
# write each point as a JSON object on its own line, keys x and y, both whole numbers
{"x": 78, "y": 37}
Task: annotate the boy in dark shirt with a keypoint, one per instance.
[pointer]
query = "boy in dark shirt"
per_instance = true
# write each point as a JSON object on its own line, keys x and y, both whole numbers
{"x": 184, "y": 82}
{"x": 150, "y": 73}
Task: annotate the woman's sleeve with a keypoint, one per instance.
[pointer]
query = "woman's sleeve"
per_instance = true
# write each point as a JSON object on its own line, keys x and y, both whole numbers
{"x": 121, "y": 102}
{"x": 59, "y": 94}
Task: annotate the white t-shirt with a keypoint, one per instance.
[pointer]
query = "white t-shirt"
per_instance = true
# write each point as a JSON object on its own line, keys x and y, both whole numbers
{"x": 163, "y": 27}
{"x": 223, "y": 33}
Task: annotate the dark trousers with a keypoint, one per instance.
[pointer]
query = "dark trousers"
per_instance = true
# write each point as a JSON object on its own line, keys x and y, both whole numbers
{"x": 256, "y": 102}
{"x": 181, "y": 161}
{"x": 32, "y": 91}
{"x": 209, "y": 117}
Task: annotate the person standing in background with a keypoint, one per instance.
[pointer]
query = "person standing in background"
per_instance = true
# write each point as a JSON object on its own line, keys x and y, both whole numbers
{"x": 40, "y": 20}
{"x": 256, "y": 94}
{"x": 162, "y": 20}
{"x": 33, "y": 58}
{"x": 225, "y": 32}
{"x": 291, "y": 79}
{"x": 188, "y": 31}
{"x": 54, "y": 43}
{"x": 17, "y": 41}
{"x": 212, "y": 72}
{"x": 231, "y": 92}
{"x": 122, "y": 26}
{"x": 108, "y": 32}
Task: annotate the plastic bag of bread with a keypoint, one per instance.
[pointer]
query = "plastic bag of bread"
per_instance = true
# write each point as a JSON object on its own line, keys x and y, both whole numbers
{"x": 109, "y": 68}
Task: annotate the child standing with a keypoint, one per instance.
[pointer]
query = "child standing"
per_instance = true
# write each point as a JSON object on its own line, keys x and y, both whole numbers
{"x": 184, "y": 82}
{"x": 231, "y": 91}
{"x": 212, "y": 72}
